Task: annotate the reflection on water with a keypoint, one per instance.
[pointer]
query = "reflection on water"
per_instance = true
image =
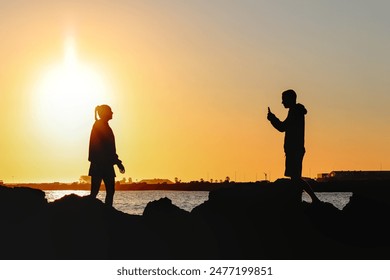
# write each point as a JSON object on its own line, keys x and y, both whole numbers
{"x": 54, "y": 195}
{"x": 134, "y": 202}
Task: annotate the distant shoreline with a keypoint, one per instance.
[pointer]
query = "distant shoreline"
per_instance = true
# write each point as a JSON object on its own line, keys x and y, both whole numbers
{"x": 330, "y": 186}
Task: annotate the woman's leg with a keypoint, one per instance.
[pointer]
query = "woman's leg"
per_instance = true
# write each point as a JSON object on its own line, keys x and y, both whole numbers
{"x": 95, "y": 185}
{"x": 110, "y": 190}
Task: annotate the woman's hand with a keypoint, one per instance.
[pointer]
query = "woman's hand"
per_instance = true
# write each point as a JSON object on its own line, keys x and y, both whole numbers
{"x": 121, "y": 168}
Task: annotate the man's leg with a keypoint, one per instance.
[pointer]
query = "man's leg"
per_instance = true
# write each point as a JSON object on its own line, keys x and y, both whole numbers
{"x": 95, "y": 185}
{"x": 298, "y": 181}
{"x": 294, "y": 170}
{"x": 110, "y": 190}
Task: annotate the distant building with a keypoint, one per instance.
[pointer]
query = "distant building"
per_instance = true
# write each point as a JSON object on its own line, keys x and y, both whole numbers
{"x": 155, "y": 181}
{"x": 84, "y": 179}
{"x": 323, "y": 176}
{"x": 353, "y": 176}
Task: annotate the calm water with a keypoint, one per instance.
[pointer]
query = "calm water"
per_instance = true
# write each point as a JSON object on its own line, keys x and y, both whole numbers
{"x": 134, "y": 202}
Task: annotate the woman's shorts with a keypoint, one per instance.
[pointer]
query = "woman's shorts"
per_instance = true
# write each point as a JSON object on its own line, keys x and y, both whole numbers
{"x": 101, "y": 170}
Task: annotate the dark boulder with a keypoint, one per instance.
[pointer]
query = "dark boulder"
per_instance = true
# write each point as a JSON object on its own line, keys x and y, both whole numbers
{"x": 20, "y": 203}
{"x": 181, "y": 235}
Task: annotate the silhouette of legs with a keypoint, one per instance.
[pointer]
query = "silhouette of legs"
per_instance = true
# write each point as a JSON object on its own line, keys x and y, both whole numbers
{"x": 298, "y": 181}
{"x": 109, "y": 183}
{"x": 294, "y": 171}
{"x": 95, "y": 185}
{"x": 110, "y": 190}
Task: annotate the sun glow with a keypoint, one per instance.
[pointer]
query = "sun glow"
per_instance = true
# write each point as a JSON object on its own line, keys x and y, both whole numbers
{"x": 68, "y": 93}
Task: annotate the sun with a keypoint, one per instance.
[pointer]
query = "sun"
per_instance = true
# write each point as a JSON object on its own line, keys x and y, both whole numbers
{"x": 67, "y": 94}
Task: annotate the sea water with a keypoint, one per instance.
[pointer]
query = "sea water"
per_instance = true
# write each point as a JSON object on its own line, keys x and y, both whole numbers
{"x": 134, "y": 202}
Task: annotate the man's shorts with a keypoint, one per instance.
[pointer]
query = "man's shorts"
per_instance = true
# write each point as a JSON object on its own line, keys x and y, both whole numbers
{"x": 294, "y": 165}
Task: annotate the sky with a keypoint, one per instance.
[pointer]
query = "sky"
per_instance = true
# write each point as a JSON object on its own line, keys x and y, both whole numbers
{"x": 189, "y": 83}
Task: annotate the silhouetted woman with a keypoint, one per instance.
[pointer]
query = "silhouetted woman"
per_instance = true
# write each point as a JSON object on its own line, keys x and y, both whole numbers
{"x": 102, "y": 154}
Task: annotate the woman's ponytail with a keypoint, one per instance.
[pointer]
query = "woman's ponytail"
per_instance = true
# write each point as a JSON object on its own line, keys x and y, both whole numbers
{"x": 101, "y": 111}
{"x": 96, "y": 113}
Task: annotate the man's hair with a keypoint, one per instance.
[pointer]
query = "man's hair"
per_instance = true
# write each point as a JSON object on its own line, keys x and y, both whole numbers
{"x": 290, "y": 94}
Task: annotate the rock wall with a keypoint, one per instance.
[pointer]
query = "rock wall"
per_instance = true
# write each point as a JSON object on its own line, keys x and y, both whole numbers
{"x": 243, "y": 221}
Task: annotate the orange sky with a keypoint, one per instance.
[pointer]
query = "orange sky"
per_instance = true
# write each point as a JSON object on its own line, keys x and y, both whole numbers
{"x": 189, "y": 83}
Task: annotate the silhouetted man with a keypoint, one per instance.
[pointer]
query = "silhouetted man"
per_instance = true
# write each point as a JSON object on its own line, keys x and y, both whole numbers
{"x": 294, "y": 139}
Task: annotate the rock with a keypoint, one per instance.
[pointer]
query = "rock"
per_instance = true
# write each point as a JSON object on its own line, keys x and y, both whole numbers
{"x": 163, "y": 208}
{"x": 366, "y": 217}
{"x": 20, "y": 203}
{"x": 180, "y": 234}
{"x": 85, "y": 228}
{"x": 241, "y": 221}
{"x": 21, "y": 210}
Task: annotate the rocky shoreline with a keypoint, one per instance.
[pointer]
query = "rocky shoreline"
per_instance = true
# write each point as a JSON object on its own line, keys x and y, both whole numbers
{"x": 262, "y": 221}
